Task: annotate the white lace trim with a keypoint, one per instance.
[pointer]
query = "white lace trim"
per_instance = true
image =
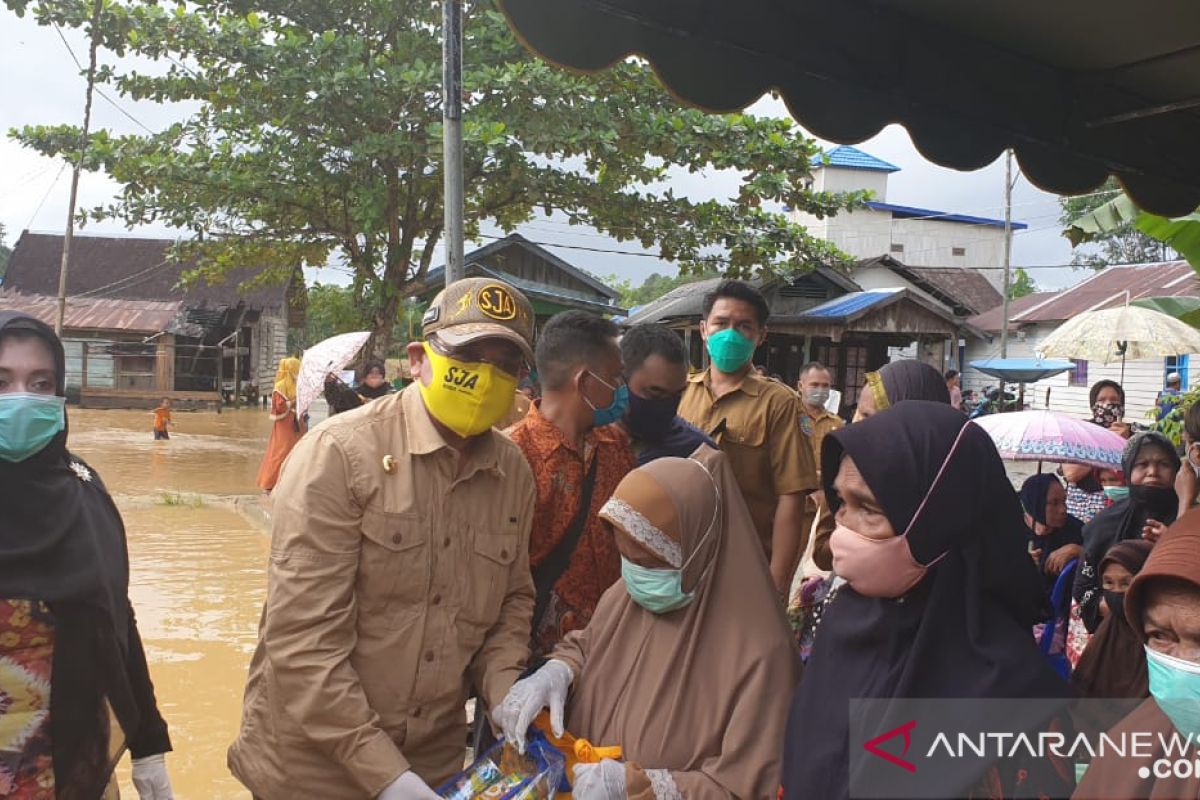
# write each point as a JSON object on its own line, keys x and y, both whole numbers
{"x": 663, "y": 784}
{"x": 640, "y": 528}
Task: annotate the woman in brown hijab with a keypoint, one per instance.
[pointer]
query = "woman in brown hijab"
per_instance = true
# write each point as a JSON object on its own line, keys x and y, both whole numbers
{"x": 1114, "y": 664}
{"x": 687, "y": 660}
{"x": 1163, "y": 607}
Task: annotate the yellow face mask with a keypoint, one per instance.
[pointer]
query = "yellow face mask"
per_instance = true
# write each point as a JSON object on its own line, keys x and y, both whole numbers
{"x": 468, "y": 398}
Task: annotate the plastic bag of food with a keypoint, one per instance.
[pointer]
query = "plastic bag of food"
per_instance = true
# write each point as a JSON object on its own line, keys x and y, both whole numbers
{"x": 502, "y": 773}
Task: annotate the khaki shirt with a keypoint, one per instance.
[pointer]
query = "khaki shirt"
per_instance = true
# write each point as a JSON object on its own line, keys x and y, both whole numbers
{"x": 820, "y": 426}
{"x": 389, "y": 594}
{"x": 816, "y": 428}
{"x": 762, "y": 439}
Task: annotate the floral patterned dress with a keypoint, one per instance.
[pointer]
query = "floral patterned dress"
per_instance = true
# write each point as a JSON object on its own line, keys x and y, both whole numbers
{"x": 26, "y": 656}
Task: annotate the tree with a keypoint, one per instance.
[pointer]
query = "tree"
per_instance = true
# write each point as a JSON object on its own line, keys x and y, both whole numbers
{"x": 1124, "y": 244}
{"x": 317, "y": 136}
{"x": 5, "y": 253}
{"x": 1021, "y": 285}
{"x": 654, "y": 287}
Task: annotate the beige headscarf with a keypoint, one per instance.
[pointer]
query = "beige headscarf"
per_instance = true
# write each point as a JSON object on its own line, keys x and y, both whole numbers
{"x": 702, "y": 691}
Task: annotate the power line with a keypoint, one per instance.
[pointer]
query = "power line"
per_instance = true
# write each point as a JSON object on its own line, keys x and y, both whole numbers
{"x": 721, "y": 260}
{"x": 127, "y": 282}
{"x": 99, "y": 91}
{"x": 46, "y": 196}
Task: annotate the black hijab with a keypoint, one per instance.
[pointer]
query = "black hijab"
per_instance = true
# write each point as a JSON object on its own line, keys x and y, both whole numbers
{"x": 962, "y": 632}
{"x": 62, "y": 539}
{"x": 913, "y": 380}
{"x": 379, "y": 391}
{"x": 62, "y": 542}
{"x": 1123, "y": 520}
{"x": 1034, "y": 494}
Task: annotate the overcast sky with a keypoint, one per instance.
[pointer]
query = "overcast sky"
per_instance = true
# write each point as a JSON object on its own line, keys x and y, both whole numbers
{"x": 42, "y": 85}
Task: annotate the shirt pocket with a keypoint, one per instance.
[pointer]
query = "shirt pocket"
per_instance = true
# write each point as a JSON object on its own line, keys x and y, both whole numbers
{"x": 393, "y": 568}
{"x": 749, "y": 430}
{"x": 493, "y": 554}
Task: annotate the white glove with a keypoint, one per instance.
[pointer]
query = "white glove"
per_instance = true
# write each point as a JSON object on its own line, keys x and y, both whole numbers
{"x": 603, "y": 781}
{"x": 150, "y": 778}
{"x": 546, "y": 687}
{"x": 408, "y": 786}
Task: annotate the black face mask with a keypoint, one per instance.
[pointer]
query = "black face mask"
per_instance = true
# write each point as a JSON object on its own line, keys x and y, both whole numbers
{"x": 1158, "y": 501}
{"x": 1116, "y": 603}
{"x": 650, "y": 419}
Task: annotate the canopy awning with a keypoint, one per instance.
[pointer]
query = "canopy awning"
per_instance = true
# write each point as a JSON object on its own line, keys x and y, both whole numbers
{"x": 1021, "y": 370}
{"x": 1080, "y": 89}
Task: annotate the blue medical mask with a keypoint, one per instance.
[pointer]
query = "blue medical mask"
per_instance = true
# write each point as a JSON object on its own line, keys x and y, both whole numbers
{"x": 28, "y": 422}
{"x": 660, "y": 591}
{"x": 1175, "y": 686}
{"x": 1116, "y": 493}
{"x": 614, "y": 410}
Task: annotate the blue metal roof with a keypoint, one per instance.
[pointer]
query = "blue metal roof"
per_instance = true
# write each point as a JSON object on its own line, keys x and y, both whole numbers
{"x": 910, "y": 212}
{"x": 849, "y": 157}
{"x": 850, "y": 304}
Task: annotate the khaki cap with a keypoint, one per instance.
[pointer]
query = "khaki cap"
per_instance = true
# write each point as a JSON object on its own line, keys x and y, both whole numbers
{"x": 478, "y": 308}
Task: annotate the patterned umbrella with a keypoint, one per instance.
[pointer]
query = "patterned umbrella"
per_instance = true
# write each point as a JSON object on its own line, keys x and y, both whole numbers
{"x": 1128, "y": 332}
{"x": 1050, "y": 436}
{"x": 321, "y": 359}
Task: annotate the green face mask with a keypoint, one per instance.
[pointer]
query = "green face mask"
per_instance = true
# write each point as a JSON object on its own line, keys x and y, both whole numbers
{"x": 729, "y": 350}
{"x": 1116, "y": 493}
{"x": 28, "y": 422}
{"x": 1175, "y": 686}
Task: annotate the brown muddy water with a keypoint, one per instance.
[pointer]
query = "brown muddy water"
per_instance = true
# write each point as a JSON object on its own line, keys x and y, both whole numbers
{"x": 197, "y": 571}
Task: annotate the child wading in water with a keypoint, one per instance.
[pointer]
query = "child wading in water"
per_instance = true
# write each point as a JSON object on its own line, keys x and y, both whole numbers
{"x": 162, "y": 420}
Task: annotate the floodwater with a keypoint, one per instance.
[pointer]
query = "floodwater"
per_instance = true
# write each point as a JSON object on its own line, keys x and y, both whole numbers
{"x": 197, "y": 571}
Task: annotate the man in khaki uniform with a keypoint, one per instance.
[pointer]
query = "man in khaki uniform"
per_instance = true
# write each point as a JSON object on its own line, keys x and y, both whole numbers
{"x": 756, "y": 421}
{"x": 816, "y": 421}
{"x": 399, "y": 572}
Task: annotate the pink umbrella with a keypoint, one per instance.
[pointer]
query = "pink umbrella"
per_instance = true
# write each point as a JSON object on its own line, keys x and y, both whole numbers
{"x": 1050, "y": 436}
{"x": 321, "y": 359}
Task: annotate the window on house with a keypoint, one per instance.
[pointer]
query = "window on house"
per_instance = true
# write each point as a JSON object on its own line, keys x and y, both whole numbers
{"x": 1079, "y": 376}
{"x": 1176, "y": 364}
{"x": 958, "y": 251}
{"x": 897, "y": 247}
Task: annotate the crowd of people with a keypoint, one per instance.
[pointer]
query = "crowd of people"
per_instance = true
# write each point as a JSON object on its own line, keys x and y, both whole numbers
{"x": 618, "y": 554}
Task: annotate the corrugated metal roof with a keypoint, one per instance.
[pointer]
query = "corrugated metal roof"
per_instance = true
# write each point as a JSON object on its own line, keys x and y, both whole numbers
{"x": 990, "y": 320}
{"x": 686, "y": 300}
{"x": 1110, "y": 287}
{"x": 852, "y": 158}
{"x": 437, "y": 274}
{"x": 912, "y": 212}
{"x": 850, "y": 304}
{"x": 128, "y": 268}
{"x": 130, "y": 316}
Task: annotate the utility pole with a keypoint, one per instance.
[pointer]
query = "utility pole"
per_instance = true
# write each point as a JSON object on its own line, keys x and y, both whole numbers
{"x": 1008, "y": 187}
{"x": 69, "y": 235}
{"x": 452, "y": 141}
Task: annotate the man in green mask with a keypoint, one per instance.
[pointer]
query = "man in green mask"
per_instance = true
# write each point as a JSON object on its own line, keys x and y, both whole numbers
{"x": 756, "y": 421}
{"x": 399, "y": 571}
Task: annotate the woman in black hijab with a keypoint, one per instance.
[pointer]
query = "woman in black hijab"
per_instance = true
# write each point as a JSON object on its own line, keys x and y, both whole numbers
{"x": 898, "y": 381}
{"x": 1055, "y": 537}
{"x": 1150, "y": 464}
{"x": 66, "y": 624}
{"x": 939, "y": 598}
